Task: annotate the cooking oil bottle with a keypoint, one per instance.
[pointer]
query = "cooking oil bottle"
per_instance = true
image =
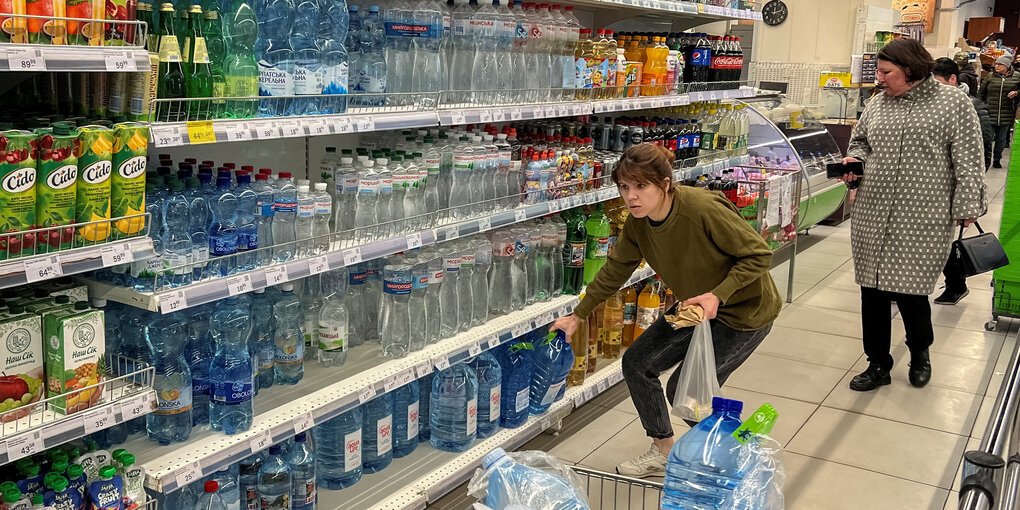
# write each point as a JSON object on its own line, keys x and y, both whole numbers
{"x": 579, "y": 344}
{"x": 583, "y": 54}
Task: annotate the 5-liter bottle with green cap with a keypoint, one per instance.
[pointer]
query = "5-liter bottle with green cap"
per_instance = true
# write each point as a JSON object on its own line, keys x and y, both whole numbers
{"x": 597, "y": 250}
{"x": 18, "y": 155}
{"x": 95, "y": 166}
{"x": 56, "y": 191}
{"x": 127, "y": 184}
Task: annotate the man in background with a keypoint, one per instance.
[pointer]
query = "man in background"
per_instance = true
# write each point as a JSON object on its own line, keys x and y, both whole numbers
{"x": 999, "y": 91}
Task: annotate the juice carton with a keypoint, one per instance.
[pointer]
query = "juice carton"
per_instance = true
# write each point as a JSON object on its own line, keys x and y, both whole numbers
{"x": 18, "y": 154}
{"x": 86, "y": 33}
{"x": 120, "y": 34}
{"x": 42, "y": 31}
{"x": 13, "y": 29}
{"x": 75, "y": 291}
{"x": 57, "y": 190}
{"x": 93, "y": 203}
{"x": 21, "y": 363}
{"x": 127, "y": 189}
{"x": 75, "y": 342}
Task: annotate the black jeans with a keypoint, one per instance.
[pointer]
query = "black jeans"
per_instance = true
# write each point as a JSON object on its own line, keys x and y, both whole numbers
{"x": 876, "y": 318}
{"x": 1001, "y": 139}
{"x": 661, "y": 347}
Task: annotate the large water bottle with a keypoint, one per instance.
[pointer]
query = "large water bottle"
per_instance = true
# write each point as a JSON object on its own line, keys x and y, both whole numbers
{"x": 377, "y": 430}
{"x": 320, "y": 222}
{"x": 480, "y": 281}
{"x": 171, "y": 421}
{"x": 332, "y": 330}
{"x": 433, "y": 302}
{"x": 418, "y": 304}
{"x": 199, "y": 352}
{"x": 704, "y": 467}
{"x": 464, "y": 47}
{"x": 424, "y": 401}
{"x": 372, "y": 62}
{"x": 465, "y": 307}
{"x": 428, "y": 73}
{"x": 373, "y": 299}
{"x": 519, "y": 269}
{"x": 511, "y": 484}
{"x": 515, "y": 363}
{"x": 305, "y": 217}
{"x": 229, "y": 487}
{"x": 247, "y": 227}
{"x": 357, "y": 279}
{"x": 405, "y": 419}
{"x": 177, "y": 244}
{"x": 490, "y": 380}
{"x": 301, "y": 460}
{"x": 231, "y": 371}
{"x": 284, "y": 218}
{"x": 335, "y": 66}
{"x": 399, "y": 25}
{"x": 553, "y": 360}
{"x": 275, "y": 55}
{"x": 449, "y": 304}
{"x": 288, "y": 361}
{"x": 338, "y": 451}
{"x": 500, "y": 283}
{"x": 275, "y": 480}
{"x": 210, "y": 499}
{"x": 264, "y": 205}
{"x": 453, "y": 408}
{"x": 261, "y": 337}
{"x": 347, "y": 194}
{"x": 394, "y": 328}
{"x": 248, "y": 481}
{"x": 198, "y": 228}
{"x": 460, "y": 185}
{"x": 548, "y": 258}
{"x": 223, "y": 229}
{"x": 308, "y": 72}
{"x": 353, "y": 43}
{"x": 506, "y": 33}
{"x": 310, "y": 297}
{"x": 485, "y": 69}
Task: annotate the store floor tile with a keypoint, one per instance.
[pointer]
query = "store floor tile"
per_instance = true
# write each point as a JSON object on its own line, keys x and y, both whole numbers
{"x": 811, "y": 347}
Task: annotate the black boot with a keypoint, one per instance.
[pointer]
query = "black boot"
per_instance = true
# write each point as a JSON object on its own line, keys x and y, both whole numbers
{"x": 920, "y": 368}
{"x": 951, "y": 296}
{"x": 870, "y": 379}
{"x": 996, "y": 164}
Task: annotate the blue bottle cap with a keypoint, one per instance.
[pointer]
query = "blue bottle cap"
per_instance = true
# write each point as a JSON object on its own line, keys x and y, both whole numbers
{"x": 275, "y": 449}
{"x": 726, "y": 405}
{"x": 492, "y": 457}
{"x": 373, "y": 9}
{"x": 300, "y": 437}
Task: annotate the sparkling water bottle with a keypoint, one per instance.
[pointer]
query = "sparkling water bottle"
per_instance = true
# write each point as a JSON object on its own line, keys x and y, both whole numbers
{"x": 171, "y": 421}
{"x": 357, "y": 278}
{"x": 338, "y": 452}
{"x": 480, "y": 281}
{"x": 301, "y": 460}
{"x": 247, "y": 227}
{"x": 275, "y": 481}
{"x": 320, "y": 222}
{"x": 489, "y": 393}
{"x": 223, "y": 229}
{"x": 405, "y": 419}
{"x": 394, "y": 329}
{"x": 231, "y": 371}
{"x": 303, "y": 224}
{"x": 284, "y": 218}
{"x": 449, "y": 304}
{"x": 311, "y": 304}
{"x": 177, "y": 243}
{"x": 418, "y": 304}
{"x": 453, "y": 408}
{"x": 377, "y": 430}
{"x": 465, "y": 307}
{"x": 288, "y": 362}
{"x": 264, "y": 218}
{"x": 199, "y": 352}
{"x": 262, "y": 337}
{"x": 332, "y": 328}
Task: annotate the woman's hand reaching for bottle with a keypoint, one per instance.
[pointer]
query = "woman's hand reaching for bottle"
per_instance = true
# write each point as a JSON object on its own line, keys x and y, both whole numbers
{"x": 567, "y": 324}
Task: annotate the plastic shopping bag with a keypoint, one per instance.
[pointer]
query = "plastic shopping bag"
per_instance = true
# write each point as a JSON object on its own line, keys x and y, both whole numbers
{"x": 530, "y": 479}
{"x": 698, "y": 382}
{"x": 761, "y": 487}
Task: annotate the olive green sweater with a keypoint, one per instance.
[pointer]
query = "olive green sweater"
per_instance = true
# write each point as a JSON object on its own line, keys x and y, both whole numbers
{"x": 703, "y": 246}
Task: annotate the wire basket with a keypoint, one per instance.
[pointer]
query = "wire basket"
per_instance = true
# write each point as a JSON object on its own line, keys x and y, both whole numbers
{"x": 608, "y": 491}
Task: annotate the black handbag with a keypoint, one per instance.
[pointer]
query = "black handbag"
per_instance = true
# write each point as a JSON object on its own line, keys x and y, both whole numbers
{"x": 978, "y": 254}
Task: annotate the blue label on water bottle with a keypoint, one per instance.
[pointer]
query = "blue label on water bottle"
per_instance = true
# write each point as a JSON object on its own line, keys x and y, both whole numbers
{"x": 372, "y": 274}
{"x": 701, "y": 57}
{"x": 264, "y": 209}
{"x": 396, "y": 287}
{"x": 288, "y": 206}
{"x": 247, "y": 241}
{"x": 357, "y": 278}
{"x": 232, "y": 392}
{"x": 420, "y": 282}
{"x": 398, "y": 29}
{"x": 199, "y": 386}
{"x": 220, "y": 246}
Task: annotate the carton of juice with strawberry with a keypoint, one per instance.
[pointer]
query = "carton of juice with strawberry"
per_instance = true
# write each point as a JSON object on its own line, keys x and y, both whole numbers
{"x": 95, "y": 164}
{"x": 18, "y": 154}
{"x": 127, "y": 184}
{"x": 84, "y": 33}
{"x": 13, "y": 29}
{"x": 56, "y": 190}
{"x": 47, "y": 31}
{"x": 120, "y": 34}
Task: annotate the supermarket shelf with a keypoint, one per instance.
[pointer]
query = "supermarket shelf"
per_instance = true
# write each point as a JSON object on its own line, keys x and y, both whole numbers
{"x": 24, "y": 270}
{"x": 644, "y": 103}
{"x": 455, "y": 117}
{"x": 37, "y": 58}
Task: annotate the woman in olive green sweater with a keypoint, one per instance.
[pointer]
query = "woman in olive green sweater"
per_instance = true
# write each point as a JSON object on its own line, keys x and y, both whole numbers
{"x": 708, "y": 255}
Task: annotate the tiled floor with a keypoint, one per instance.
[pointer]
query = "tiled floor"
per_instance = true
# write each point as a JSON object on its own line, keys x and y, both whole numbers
{"x": 898, "y": 447}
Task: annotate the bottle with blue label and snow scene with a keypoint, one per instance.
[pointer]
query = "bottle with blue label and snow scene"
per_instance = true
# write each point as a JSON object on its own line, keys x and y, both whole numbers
{"x": 275, "y": 481}
{"x": 147, "y": 273}
{"x": 332, "y": 327}
{"x": 288, "y": 363}
{"x": 377, "y": 430}
{"x": 177, "y": 243}
{"x": 248, "y": 481}
{"x": 264, "y": 205}
{"x": 261, "y": 339}
{"x": 231, "y": 371}
{"x": 372, "y": 63}
{"x": 199, "y": 353}
{"x": 394, "y": 322}
{"x": 338, "y": 454}
{"x": 307, "y": 45}
{"x": 406, "y": 412}
{"x": 553, "y": 361}
{"x": 333, "y": 30}
{"x": 247, "y": 226}
{"x": 223, "y": 229}
{"x": 275, "y": 55}
{"x": 171, "y": 421}
{"x": 490, "y": 380}
{"x": 453, "y": 408}
{"x": 285, "y": 218}
{"x": 301, "y": 458}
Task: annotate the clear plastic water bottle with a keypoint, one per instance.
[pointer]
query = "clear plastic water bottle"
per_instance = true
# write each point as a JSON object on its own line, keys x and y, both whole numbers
{"x": 507, "y": 477}
{"x": 490, "y": 380}
{"x": 400, "y": 189}
{"x": 333, "y": 332}
{"x": 328, "y": 170}
{"x": 223, "y": 229}
{"x": 534, "y": 242}
{"x": 453, "y": 408}
{"x": 515, "y": 363}
{"x": 460, "y": 185}
{"x": 519, "y": 269}
{"x": 372, "y": 62}
{"x": 275, "y": 55}
{"x": 418, "y": 304}
{"x": 310, "y": 297}
{"x": 465, "y": 278}
{"x": 424, "y": 400}
{"x": 320, "y": 222}
{"x": 433, "y": 160}
{"x": 335, "y": 65}
{"x": 285, "y": 202}
{"x": 394, "y": 329}
{"x": 547, "y": 260}
{"x": 199, "y": 353}
{"x": 183, "y": 498}
{"x": 247, "y": 228}
{"x": 357, "y": 278}
{"x": 428, "y": 73}
{"x": 373, "y": 298}
{"x": 704, "y": 467}
{"x": 397, "y": 19}
{"x": 433, "y": 308}
{"x": 338, "y": 454}
{"x": 301, "y": 458}
{"x": 506, "y": 28}
{"x": 288, "y": 362}
{"x": 480, "y": 281}
{"x": 347, "y": 195}
{"x": 485, "y": 69}
{"x": 377, "y": 430}
{"x": 308, "y": 73}
{"x": 248, "y": 481}
{"x": 353, "y": 43}
{"x": 553, "y": 359}
{"x": 561, "y": 241}
{"x": 305, "y": 218}
{"x": 464, "y": 47}
{"x": 231, "y": 370}
{"x": 198, "y": 227}
{"x": 229, "y": 488}
{"x": 405, "y": 419}
{"x": 261, "y": 337}
{"x": 449, "y": 303}
{"x": 171, "y": 421}
{"x": 177, "y": 245}
{"x": 275, "y": 480}
{"x": 500, "y": 283}
{"x": 264, "y": 206}
{"x": 366, "y": 214}
{"x": 210, "y": 500}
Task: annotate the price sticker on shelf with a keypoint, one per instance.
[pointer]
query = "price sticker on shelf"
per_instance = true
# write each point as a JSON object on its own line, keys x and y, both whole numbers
{"x": 726, "y": 94}
{"x": 237, "y": 132}
{"x": 367, "y": 393}
{"x": 201, "y": 132}
{"x": 98, "y": 419}
{"x": 545, "y": 318}
{"x": 26, "y": 59}
{"x": 518, "y": 330}
{"x": 188, "y": 474}
{"x": 563, "y": 110}
{"x": 484, "y": 224}
{"x": 451, "y": 232}
{"x": 267, "y": 130}
{"x": 261, "y": 441}
{"x": 646, "y": 4}
{"x": 474, "y": 350}
{"x": 413, "y": 241}
{"x": 520, "y": 215}
{"x": 602, "y": 385}
{"x": 119, "y": 61}
{"x": 351, "y": 256}
{"x": 166, "y": 136}
{"x": 485, "y": 116}
{"x": 276, "y": 275}
{"x": 392, "y": 383}
{"x": 342, "y": 126}
{"x": 515, "y": 114}
{"x": 579, "y": 399}
{"x": 422, "y": 369}
{"x": 713, "y": 95}
{"x": 24, "y": 446}
{"x": 366, "y": 123}
{"x": 303, "y": 422}
{"x": 457, "y": 118}
{"x": 441, "y": 362}
{"x": 137, "y": 408}
{"x": 493, "y": 341}
{"x": 239, "y": 284}
{"x": 578, "y": 200}
{"x": 498, "y": 115}
{"x": 292, "y": 128}
{"x": 318, "y": 265}
{"x": 172, "y": 302}
{"x": 589, "y": 393}
{"x": 554, "y": 206}
{"x": 116, "y": 253}
{"x": 549, "y": 111}
{"x": 43, "y": 268}
{"x": 316, "y": 127}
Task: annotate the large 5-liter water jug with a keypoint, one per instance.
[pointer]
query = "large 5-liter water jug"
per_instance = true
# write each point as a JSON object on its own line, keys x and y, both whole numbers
{"x": 338, "y": 450}
{"x": 553, "y": 360}
{"x": 377, "y": 428}
{"x": 516, "y": 364}
{"x": 490, "y": 381}
{"x": 703, "y": 467}
{"x": 406, "y": 411}
{"x": 512, "y": 484}
{"x": 454, "y": 408}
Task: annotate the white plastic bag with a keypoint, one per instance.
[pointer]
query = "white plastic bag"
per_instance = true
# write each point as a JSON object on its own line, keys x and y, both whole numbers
{"x": 698, "y": 382}
{"x": 529, "y": 493}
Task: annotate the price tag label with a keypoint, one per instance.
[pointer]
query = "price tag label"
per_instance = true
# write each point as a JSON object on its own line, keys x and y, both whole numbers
{"x": 498, "y": 115}
{"x": 276, "y": 275}
{"x": 317, "y": 127}
{"x": 518, "y": 330}
{"x": 485, "y": 116}
{"x": 546, "y": 318}
{"x": 726, "y": 94}
{"x": 451, "y": 232}
{"x": 239, "y": 284}
{"x": 713, "y": 95}
{"x": 562, "y": 110}
{"x": 261, "y": 441}
{"x": 554, "y": 206}
{"x": 579, "y": 399}
{"x": 441, "y": 362}
{"x": 413, "y": 241}
{"x": 520, "y": 215}
{"x": 352, "y": 256}
{"x": 578, "y": 200}
{"x": 457, "y": 118}
{"x": 484, "y": 224}
{"x": 43, "y": 268}
{"x": 201, "y": 132}
{"x": 303, "y": 422}
{"x": 26, "y": 59}
{"x": 166, "y": 136}
{"x": 292, "y": 128}
{"x": 422, "y": 369}
{"x": 172, "y": 302}
{"x": 515, "y": 114}
{"x": 366, "y": 123}
{"x": 237, "y": 132}
{"x": 24, "y": 446}
{"x": 602, "y": 385}
{"x": 646, "y": 4}
{"x": 318, "y": 265}
{"x": 188, "y": 474}
{"x": 550, "y": 111}
{"x": 589, "y": 393}
{"x": 493, "y": 341}
{"x": 474, "y": 350}
{"x": 391, "y": 384}
{"x": 97, "y": 419}
{"x": 117, "y": 253}
{"x": 267, "y": 130}
{"x": 136, "y": 409}
{"x": 579, "y": 109}
{"x": 119, "y": 61}
{"x": 342, "y": 125}
{"x": 367, "y": 393}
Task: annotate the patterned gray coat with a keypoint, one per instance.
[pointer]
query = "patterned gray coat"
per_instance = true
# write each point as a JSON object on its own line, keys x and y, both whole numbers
{"x": 924, "y": 170}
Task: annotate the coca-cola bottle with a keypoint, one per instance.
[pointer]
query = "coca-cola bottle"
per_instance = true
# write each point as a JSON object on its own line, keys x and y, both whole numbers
{"x": 737, "y": 53}
{"x": 716, "y": 67}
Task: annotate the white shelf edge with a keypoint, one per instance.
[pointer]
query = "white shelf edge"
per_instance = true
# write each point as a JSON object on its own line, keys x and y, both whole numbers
{"x": 74, "y": 261}
{"x": 71, "y": 58}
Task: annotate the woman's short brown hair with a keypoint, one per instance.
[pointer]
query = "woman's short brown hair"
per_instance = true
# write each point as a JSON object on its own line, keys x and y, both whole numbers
{"x": 645, "y": 164}
{"x": 910, "y": 55}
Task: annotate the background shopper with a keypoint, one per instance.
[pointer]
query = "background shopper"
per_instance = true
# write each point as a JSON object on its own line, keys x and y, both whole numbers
{"x": 999, "y": 91}
{"x": 967, "y": 75}
{"x": 921, "y": 145}
{"x": 704, "y": 250}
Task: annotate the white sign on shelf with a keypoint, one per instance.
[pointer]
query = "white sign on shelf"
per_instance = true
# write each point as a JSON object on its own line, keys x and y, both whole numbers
{"x": 239, "y": 284}
{"x": 98, "y": 419}
{"x": 25, "y": 445}
{"x": 451, "y": 232}
{"x": 367, "y": 393}
{"x": 188, "y": 474}
{"x": 172, "y": 302}
{"x": 237, "y": 132}
{"x": 441, "y": 362}
{"x": 474, "y": 350}
{"x": 484, "y": 115}
{"x": 515, "y": 114}
{"x": 318, "y": 265}
{"x": 261, "y": 441}
{"x": 276, "y": 275}
{"x": 498, "y": 115}
{"x": 116, "y": 253}
{"x": 43, "y": 268}
{"x": 484, "y": 224}
{"x": 493, "y": 341}
{"x": 520, "y": 215}
{"x": 26, "y": 59}
{"x": 413, "y": 241}
{"x": 267, "y": 130}
{"x": 602, "y": 385}
{"x": 119, "y": 61}
{"x": 518, "y": 329}
{"x": 351, "y": 256}
{"x": 292, "y": 129}
{"x": 422, "y": 369}
{"x": 342, "y": 125}
{"x": 136, "y": 408}
{"x": 303, "y": 422}
{"x": 562, "y": 110}
{"x": 317, "y": 127}
{"x": 166, "y": 136}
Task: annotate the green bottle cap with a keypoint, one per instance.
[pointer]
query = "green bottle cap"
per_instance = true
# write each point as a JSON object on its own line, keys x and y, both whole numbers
{"x": 73, "y": 452}
{"x": 57, "y": 483}
{"x": 107, "y": 472}
{"x": 23, "y": 464}
{"x": 6, "y": 486}
{"x": 760, "y": 423}
{"x": 127, "y": 459}
{"x": 37, "y": 500}
{"x": 59, "y": 466}
{"x": 74, "y": 471}
{"x": 118, "y": 453}
{"x": 12, "y": 495}
{"x": 47, "y": 480}
{"x": 30, "y": 470}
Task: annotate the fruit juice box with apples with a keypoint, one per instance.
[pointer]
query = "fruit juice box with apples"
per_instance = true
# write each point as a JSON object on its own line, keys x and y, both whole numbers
{"x": 47, "y": 31}
{"x": 95, "y": 166}
{"x": 13, "y": 29}
{"x": 56, "y": 189}
{"x": 127, "y": 187}
{"x": 18, "y": 154}
{"x": 120, "y": 34}
{"x": 75, "y": 342}
{"x": 21, "y": 363}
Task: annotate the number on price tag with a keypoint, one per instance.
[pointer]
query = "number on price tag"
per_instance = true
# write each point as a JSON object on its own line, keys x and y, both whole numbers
{"x": 367, "y": 393}
{"x": 474, "y": 350}
{"x": 602, "y": 385}
{"x": 451, "y": 232}
{"x": 342, "y": 125}
{"x": 441, "y": 362}
{"x": 484, "y": 224}
{"x": 391, "y": 384}
{"x": 201, "y": 132}
{"x": 188, "y": 474}
{"x": 589, "y": 393}
{"x": 267, "y": 130}
{"x": 579, "y": 399}
{"x": 554, "y": 206}
{"x": 498, "y": 115}
{"x": 172, "y": 302}
{"x": 422, "y": 369}
{"x": 261, "y": 441}
{"x": 43, "y": 268}
{"x": 237, "y": 132}
{"x": 318, "y": 265}
{"x": 97, "y": 419}
{"x": 520, "y": 215}
{"x": 239, "y": 284}
{"x": 24, "y": 446}
{"x": 303, "y": 422}
{"x": 413, "y": 241}
{"x": 117, "y": 253}
{"x": 135, "y": 409}
{"x": 292, "y": 129}
{"x": 119, "y": 61}
{"x": 562, "y": 110}
{"x": 166, "y": 136}
{"x": 317, "y": 127}
{"x": 26, "y": 59}
{"x": 493, "y": 341}
{"x": 352, "y": 256}
{"x": 550, "y": 111}
{"x": 484, "y": 116}
{"x": 457, "y": 118}
{"x": 276, "y": 275}
{"x": 518, "y": 330}
{"x": 366, "y": 123}
{"x": 578, "y": 200}
{"x": 546, "y": 318}
{"x": 515, "y": 114}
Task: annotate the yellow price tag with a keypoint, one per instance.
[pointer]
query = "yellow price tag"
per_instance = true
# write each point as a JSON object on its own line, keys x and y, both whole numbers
{"x": 201, "y": 132}
{"x": 701, "y": 8}
{"x": 834, "y": 80}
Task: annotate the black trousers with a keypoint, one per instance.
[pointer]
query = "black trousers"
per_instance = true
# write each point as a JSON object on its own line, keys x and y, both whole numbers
{"x": 876, "y": 319}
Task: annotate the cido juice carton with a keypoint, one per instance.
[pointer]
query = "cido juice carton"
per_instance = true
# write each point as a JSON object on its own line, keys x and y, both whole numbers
{"x": 57, "y": 188}
{"x": 18, "y": 154}
{"x": 95, "y": 164}
{"x": 127, "y": 188}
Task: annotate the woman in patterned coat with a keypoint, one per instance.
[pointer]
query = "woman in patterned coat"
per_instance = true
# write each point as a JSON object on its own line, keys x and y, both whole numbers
{"x": 921, "y": 145}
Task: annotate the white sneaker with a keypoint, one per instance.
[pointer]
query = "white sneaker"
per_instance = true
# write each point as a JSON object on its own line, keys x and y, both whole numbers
{"x": 650, "y": 463}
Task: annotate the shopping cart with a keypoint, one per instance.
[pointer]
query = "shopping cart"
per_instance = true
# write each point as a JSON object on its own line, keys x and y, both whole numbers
{"x": 608, "y": 491}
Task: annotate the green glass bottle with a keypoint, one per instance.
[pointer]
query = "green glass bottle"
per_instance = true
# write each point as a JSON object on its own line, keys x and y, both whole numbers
{"x": 196, "y": 64}
{"x": 181, "y": 23}
{"x": 597, "y": 250}
{"x": 573, "y": 252}
{"x": 213, "y": 31}
{"x": 241, "y": 73}
{"x": 171, "y": 82}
